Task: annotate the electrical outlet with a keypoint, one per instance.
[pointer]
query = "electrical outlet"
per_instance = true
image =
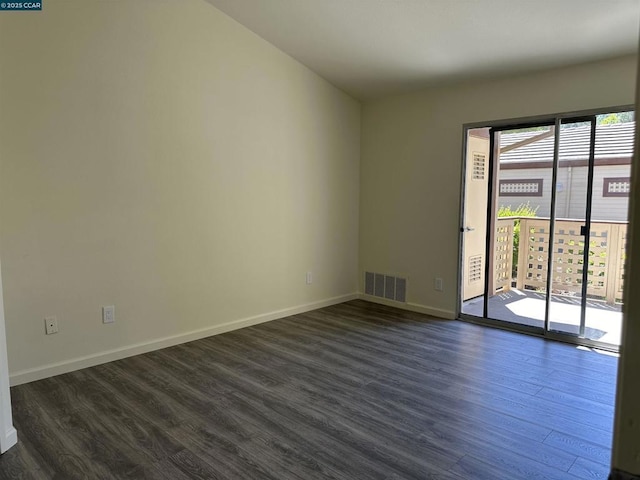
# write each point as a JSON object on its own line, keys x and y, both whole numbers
{"x": 50, "y": 325}
{"x": 108, "y": 314}
{"x": 309, "y": 278}
{"x": 439, "y": 285}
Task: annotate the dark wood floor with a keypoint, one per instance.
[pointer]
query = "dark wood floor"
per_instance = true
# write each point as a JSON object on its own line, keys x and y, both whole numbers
{"x": 354, "y": 391}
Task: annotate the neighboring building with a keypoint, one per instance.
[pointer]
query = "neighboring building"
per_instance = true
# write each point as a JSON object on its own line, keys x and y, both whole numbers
{"x": 525, "y": 172}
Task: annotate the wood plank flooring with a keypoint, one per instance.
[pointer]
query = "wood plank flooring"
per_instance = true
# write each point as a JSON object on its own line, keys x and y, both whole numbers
{"x": 353, "y": 391}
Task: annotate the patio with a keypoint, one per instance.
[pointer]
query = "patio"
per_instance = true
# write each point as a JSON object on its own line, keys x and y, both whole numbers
{"x": 603, "y": 321}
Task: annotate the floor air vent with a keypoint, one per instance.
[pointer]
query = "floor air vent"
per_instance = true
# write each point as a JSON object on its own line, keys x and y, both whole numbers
{"x": 385, "y": 286}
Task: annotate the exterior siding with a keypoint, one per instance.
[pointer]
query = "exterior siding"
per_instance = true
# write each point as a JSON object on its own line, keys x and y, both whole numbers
{"x": 572, "y": 192}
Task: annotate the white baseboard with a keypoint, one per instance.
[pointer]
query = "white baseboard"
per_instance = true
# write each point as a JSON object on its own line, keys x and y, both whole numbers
{"x": 31, "y": 375}
{"x": 412, "y": 307}
{"x": 9, "y": 440}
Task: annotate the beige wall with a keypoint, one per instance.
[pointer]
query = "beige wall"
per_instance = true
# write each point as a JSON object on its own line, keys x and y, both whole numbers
{"x": 626, "y": 436}
{"x": 412, "y": 160}
{"x": 157, "y": 156}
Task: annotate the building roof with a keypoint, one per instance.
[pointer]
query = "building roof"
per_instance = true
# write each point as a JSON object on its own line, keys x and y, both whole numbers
{"x": 613, "y": 141}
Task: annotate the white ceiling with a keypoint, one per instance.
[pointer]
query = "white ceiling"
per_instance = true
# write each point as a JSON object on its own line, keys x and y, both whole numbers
{"x": 375, "y": 47}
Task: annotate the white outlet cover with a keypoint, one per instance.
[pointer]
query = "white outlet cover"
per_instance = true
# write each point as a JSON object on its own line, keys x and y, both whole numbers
{"x": 109, "y": 314}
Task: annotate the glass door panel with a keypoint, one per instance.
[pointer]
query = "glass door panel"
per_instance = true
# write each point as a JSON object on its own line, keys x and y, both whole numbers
{"x": 609, "y": 219}
{"x": 522, "y": 178}
{"x": 565, "y": 307}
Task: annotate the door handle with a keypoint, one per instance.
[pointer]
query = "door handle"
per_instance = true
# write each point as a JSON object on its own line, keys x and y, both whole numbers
{"x": 583, "y": 230}
{"x": 467, "y": 229}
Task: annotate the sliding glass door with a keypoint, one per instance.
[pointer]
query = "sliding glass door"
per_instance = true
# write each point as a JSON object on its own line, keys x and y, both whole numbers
{"x": 555, "y": 197}
{"x": 568, "y": 281}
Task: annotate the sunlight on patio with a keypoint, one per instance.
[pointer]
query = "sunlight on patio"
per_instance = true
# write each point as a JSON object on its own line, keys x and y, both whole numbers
{"x": 563, "y": 314}
{"x": 603, "y": 321}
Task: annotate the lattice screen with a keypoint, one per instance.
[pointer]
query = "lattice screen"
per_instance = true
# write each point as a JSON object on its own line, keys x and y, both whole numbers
{"x": 606, "y": 258}
{"x": 521, "y": 188}
{"x": 569, "y": 259}
{"x": 503, "y": 255}
{"x": 616, "y": 187}
{"x": 534, "y": 253}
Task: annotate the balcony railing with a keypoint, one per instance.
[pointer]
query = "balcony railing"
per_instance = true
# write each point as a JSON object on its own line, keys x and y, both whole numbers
{"x": 607, "y": 251}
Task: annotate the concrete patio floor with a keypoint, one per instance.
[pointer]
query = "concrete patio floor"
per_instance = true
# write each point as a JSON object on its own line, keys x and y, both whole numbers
{"x": 603, "y": 322}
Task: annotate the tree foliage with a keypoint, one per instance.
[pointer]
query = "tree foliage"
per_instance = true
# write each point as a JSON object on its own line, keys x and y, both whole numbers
{"x": 611, "y": 118}
{"x": 604, "y": 119}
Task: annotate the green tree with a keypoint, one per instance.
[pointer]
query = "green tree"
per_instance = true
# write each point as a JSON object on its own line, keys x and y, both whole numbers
{"x": 611, "y": 118}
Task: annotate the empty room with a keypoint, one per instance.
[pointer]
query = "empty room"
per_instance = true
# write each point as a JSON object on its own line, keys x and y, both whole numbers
{"x": 319, "y": 239}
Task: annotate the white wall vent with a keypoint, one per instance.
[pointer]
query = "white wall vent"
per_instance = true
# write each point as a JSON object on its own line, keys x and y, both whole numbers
{"x": 479, "y": 166}
{"x": 385, "y": 286}
{"x": 475, "y": 269}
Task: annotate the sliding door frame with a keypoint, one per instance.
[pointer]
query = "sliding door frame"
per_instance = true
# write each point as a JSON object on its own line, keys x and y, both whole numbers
{"x": 516, "y": 123}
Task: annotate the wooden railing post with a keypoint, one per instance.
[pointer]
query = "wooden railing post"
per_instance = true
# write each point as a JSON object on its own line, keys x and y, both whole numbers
{"x": 523, "y": 252}
{"x": 620, "y": 257}
{"x": 502, "y": 255}
{"x": 613, "y": 236}
{"x": 613, "y": 262}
